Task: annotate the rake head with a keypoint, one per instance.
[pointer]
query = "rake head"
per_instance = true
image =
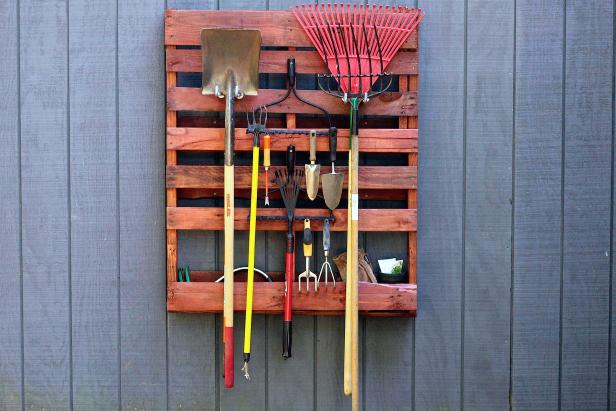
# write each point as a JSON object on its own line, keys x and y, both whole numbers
{"x": 357, "y": 43}
{"x": 289, "y": 188}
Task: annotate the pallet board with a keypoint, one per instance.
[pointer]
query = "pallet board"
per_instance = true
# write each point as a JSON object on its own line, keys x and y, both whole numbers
{"x": 388, "y": 126}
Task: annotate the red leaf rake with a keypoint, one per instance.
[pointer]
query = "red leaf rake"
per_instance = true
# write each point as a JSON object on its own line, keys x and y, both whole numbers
{"x": 357, "y": 42}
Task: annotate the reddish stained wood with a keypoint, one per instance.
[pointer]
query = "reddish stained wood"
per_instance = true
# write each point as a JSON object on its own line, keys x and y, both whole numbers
{"x": 278, "y": 28}
{"x": 268, "y": 297}
{"x": 370, "y": 141}
{"x": 195, "y": 193}
{"x": 190, "y": 120}
{"x": 211, "y": 218}
{"x": 275, "y": 61}
{"x": 240, "y": 277}
{"x": 370, "y": 177}
{"x": 386, "y": 104}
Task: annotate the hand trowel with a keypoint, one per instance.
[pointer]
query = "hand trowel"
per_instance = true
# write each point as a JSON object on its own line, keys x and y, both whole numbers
{"x": 332, "y": 182}
{"x": 313, "y": 170}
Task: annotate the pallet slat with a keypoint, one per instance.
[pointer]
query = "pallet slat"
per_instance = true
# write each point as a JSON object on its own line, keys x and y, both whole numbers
{"x": 386, "y": 104}
{"x": 278, "y": 28}
{"x": 370, "y": 177}
{"x": 196, "y": 193}
{"x": 275, "y": 61}
{"x": 208, "y": 297}
{"x": 370, "y": 140}
{"x": 211, "y": 218}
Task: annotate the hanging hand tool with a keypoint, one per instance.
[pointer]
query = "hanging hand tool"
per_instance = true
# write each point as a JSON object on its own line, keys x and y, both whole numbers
{"x": 313, "y": 170}
{"x": 266, "y": 164}
{"x": 251, "y": 251}
{"x": 332, "y": 182}
{"x": 230, "y": 70}
{"x": 308, "y": 253}
{"x": 289, "y": 183}
{"x": 326, "y": 268}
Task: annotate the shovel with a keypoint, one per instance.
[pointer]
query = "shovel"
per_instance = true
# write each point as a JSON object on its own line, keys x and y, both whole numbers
{"x": 230, "y": 70}
{"x": 332, "y": 182}
{"x": 313, "y": 170}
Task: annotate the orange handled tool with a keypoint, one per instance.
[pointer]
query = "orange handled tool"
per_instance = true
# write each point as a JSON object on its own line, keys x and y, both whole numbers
{"x": 266, "y": 164}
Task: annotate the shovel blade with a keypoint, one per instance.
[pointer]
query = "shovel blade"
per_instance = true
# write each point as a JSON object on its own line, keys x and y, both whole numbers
{"x": 312, "y": 180}
{"x": 230, "y": 52}
{"x": 332, "y": 189}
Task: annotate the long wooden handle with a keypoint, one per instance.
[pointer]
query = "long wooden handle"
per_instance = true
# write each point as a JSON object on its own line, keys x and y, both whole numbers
{"x": 228, "y": 273}
{"x": 354, "y": 165}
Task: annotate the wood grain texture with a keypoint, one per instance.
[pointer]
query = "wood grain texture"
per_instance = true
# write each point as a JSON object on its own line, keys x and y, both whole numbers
{"x": 191, "y": 339}
{"x": 487, "y": 237}
{"x": 275, "y": 62}
{"x": 209, "y": 218}
{"x": 142, "y": 196}
{"x": 10, "y": 218}
{"x": 388, "y": 387}
{"x": 94, "y": 206}
{"x": 278, "y": 28}
{"x": 370, "y": 178}
{"x": 587, "y": 185}
{"x": 387, "y": 104}
{"x": 45, "y": 206}
{"x": 537, "y": 217}
{"x": 372, "y": 140}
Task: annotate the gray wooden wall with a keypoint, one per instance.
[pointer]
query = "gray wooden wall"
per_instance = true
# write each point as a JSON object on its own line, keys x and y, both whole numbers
{"x": 516, "y": 222}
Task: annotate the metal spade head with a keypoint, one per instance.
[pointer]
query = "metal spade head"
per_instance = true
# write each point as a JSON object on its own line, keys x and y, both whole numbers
{"x": 332, "y": 189}
{"x": 230, "y": 53}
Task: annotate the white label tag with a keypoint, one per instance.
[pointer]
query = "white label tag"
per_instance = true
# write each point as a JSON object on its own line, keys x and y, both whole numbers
{"x": 354, "y": 207}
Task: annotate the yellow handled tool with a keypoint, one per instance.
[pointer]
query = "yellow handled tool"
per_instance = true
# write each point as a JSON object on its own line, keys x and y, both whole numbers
{"x": 251, "y": 251}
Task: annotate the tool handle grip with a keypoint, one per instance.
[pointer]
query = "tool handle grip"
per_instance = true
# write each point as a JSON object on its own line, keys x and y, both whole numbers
{"x": 326, "y": 236}
{"x": 291, "y": 72}
{"x": 313, "y": 146}
{"x": 288, "y": 303}
{"x": 266, "y": 150}
{"x": 333, "y": 143}
{"x": 228, "y": 343}
{"x": 290, "y": 160}
{"x": 307, "y": 239}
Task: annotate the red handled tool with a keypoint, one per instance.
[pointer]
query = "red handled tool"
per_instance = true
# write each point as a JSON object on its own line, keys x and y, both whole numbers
{"x": 289, "y": 182}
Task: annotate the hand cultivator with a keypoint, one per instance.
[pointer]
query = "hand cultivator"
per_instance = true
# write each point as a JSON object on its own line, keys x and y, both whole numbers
{"x": 357, "y": 43}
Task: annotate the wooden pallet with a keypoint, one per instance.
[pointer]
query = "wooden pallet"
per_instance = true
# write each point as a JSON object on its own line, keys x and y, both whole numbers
{"x": 205, "y": 134}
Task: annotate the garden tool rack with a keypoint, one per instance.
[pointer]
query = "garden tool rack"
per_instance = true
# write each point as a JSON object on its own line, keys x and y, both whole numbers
{"x": 195, "y": 129}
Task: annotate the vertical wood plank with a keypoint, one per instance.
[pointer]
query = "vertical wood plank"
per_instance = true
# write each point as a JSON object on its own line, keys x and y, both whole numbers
{"x": 191, "y": 338}
{"x": 10, "y": 218}
{"x": 537, "y": 217}
{"x": 142, "y": 199}
{"x": 587, "y": 184}
{"x": 94, "y": 208}
{"x": 487, "y": 244}
{"x": 45, "y": 229}
{"x": 387, "y": 340}
{"x": 440, "y": 206}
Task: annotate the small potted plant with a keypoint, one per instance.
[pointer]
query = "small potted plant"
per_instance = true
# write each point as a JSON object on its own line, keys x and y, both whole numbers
{"x": 391, "y": 271}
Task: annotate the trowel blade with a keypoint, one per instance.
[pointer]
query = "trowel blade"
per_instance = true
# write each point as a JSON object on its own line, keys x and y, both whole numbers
{"x": 332, "y": 189}
{"x": 312, "y": 180}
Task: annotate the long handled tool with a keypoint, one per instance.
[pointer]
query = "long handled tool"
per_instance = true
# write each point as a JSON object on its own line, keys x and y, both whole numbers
{"x": 251, "y": 251}
{"x": 356, "y": 43}
{"x": 230, "y": 70}
{"x": 289, "y": 182}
